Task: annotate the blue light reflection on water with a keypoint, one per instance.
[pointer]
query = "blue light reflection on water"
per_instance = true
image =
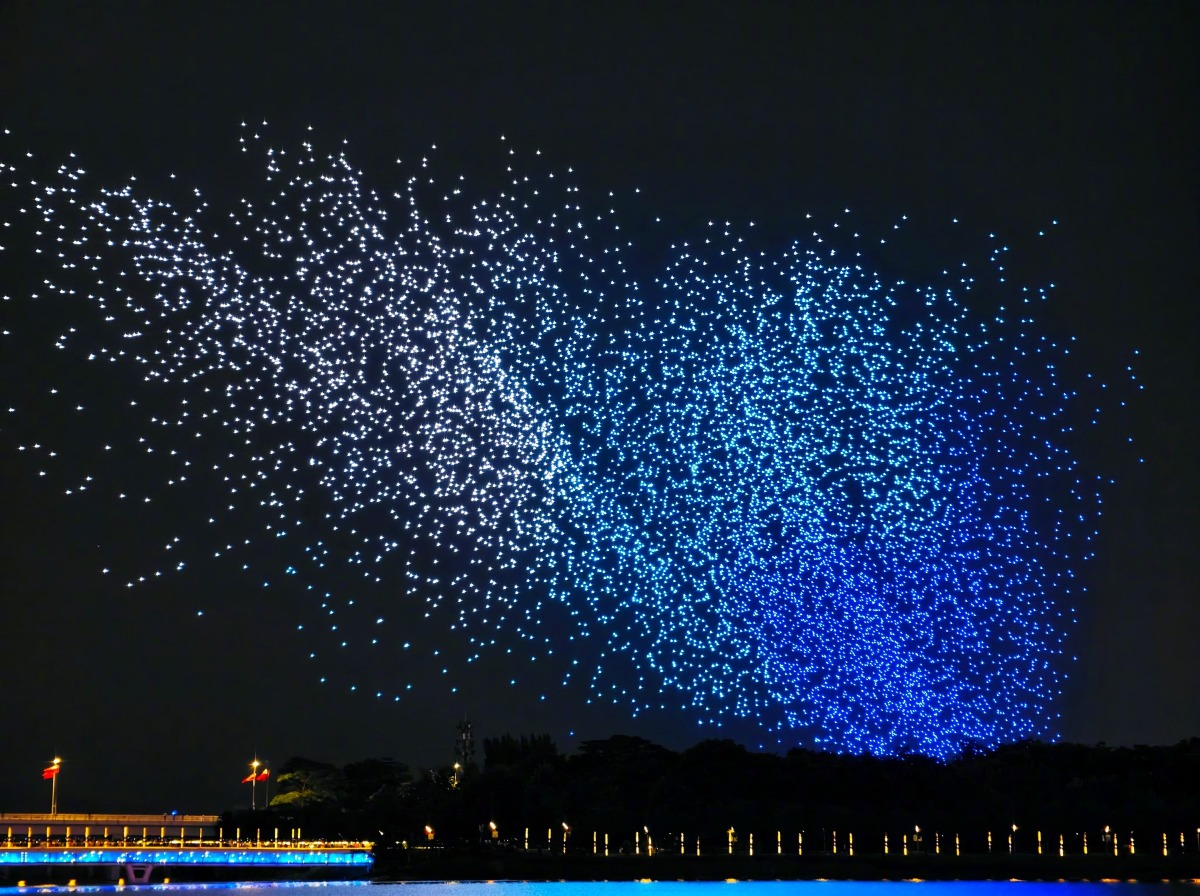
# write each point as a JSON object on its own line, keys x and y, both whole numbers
{"x": 790, "y": 888}
{"x": 270, "y": 857}
{"x": 668, "y": 888}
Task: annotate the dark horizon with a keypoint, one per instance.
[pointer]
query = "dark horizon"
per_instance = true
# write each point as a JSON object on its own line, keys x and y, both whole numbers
{"x": 1106, "y": 772}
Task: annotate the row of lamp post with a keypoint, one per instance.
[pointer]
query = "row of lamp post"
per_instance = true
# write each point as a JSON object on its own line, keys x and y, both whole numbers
{"x": 1111, "y": 841}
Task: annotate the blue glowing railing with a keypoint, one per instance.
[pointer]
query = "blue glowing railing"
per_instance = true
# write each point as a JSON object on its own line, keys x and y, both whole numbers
{"x": 265, "y": 858}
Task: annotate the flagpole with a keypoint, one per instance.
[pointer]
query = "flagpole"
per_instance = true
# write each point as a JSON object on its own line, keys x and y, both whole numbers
{"x": 54, "y": 786}
{"x": 253, "y": 782}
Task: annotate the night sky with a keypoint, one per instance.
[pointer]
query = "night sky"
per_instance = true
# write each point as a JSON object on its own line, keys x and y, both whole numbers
{"x": 1007, "y": 116}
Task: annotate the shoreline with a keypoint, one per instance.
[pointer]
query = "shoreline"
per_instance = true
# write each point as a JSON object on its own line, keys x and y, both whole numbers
{"x": 534, "y": 867}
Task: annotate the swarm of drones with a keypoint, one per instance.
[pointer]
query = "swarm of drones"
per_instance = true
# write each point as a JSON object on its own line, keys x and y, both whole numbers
{"x": 765, "y": 486}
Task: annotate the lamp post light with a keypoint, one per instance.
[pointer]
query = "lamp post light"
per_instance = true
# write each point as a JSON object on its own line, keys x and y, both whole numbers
{"x": 457, "y": 769}
{"x": 55, "y": 767}
{"x": 566, "y": 833}
{"x": 253, "y": 783}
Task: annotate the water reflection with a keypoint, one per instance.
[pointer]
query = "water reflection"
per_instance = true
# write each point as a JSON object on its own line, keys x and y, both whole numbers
{"x": 661, "y": 888}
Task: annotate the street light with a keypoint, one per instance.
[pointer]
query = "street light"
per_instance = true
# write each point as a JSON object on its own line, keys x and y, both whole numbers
{"x": 52, "y": 772}
{"x": 253, "y": 782}
{"x": 457, "y": 769}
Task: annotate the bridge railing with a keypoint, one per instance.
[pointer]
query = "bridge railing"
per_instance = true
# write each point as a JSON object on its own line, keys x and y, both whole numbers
{"x": 35, "y": 841}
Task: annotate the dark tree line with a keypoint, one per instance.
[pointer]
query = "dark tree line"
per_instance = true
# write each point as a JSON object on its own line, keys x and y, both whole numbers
{"x": 625, "y": 784}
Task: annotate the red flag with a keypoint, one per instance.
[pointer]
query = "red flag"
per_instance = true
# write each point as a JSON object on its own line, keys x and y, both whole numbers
{"x": 248, "y": 778}
{"x": 266, "y": 773}
{"x": 48, "y": 773}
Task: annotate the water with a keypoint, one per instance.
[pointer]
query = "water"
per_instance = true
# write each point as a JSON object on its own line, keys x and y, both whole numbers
{"x": 663, "y": 888}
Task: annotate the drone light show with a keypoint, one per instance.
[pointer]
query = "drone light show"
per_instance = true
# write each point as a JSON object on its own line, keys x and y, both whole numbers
{"x": 766, "y": 485}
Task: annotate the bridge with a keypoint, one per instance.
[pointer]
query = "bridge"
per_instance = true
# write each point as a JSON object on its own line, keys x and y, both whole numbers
{"x": 140, "y": 865}
{"x": 139, "y": 849}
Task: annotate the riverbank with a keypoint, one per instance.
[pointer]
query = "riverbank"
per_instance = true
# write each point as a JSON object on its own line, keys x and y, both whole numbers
{"x": 409, "y": 865}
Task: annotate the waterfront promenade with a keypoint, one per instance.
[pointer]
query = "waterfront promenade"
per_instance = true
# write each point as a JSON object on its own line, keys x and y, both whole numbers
{"x": 500, "y": 864}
